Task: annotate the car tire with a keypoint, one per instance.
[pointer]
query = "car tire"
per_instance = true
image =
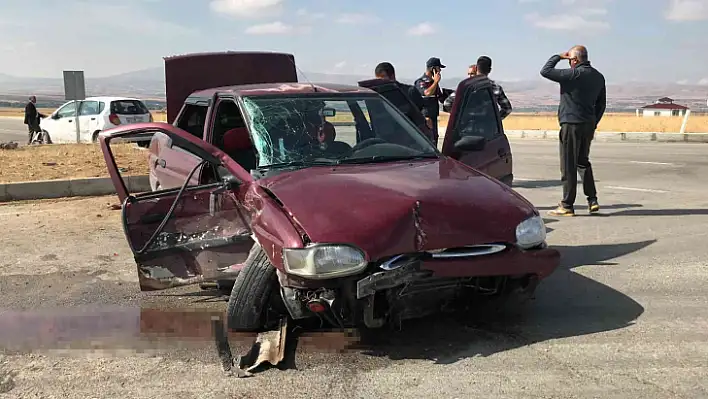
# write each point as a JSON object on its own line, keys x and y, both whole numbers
{"x": 250, "y": 297}
{"x": 94, "y": 138}
{"x": 46, "y": 139}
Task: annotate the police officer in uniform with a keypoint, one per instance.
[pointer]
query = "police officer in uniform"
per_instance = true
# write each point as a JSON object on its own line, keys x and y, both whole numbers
{"x": 429, "y": 87}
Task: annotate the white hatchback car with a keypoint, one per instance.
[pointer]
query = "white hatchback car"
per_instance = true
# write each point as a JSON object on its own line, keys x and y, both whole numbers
{"x": 95, "y": 114}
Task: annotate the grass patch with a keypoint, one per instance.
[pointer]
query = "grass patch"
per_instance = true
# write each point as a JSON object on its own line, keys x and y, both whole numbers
{"x": 68, "y": 161}
{"x": 614, "y": 122}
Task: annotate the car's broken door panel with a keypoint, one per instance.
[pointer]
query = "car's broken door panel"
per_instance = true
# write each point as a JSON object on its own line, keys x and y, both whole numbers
{"x": 207, "y": 233}
{"x": 190, "y": 233}
{"x": 475, "y": 116}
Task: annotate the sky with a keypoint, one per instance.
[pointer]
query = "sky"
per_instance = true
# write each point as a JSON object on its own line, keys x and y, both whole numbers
{"x": 628, "y": 40}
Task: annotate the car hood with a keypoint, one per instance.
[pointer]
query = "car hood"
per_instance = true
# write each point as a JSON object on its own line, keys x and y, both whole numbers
{"x": 392, "y": 208}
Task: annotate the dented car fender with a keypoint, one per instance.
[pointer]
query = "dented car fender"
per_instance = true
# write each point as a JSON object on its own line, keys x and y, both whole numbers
{"x": 271, "y": 226}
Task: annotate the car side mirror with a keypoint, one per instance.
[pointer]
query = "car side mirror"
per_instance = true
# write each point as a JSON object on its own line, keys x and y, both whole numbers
{"x": 55, "y": 116}
{"x": 470, "y": 143}
{"x": 447, "y": 104}
{"x": 229, "y": 182}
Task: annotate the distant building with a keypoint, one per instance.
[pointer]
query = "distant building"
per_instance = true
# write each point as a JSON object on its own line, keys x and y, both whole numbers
{"x": 662, "y": 107}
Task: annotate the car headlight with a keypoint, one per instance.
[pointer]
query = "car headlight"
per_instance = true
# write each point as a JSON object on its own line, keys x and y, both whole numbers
{"x": 531, "y": 232}
{"x": 324, "y": 261}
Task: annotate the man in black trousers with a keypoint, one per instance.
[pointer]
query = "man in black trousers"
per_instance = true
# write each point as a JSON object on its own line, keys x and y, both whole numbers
{"x": 32, "y": 117}
{"x": 582, "y": 104}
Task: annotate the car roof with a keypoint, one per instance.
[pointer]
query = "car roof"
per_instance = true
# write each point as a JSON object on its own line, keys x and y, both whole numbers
{"x": 109, "y": 99}
{"x": 287, "y": 88}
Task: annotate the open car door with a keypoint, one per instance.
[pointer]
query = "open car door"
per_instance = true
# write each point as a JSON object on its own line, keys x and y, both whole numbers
{"x": 475, "y": 135}
{"x": 393, "y": 93}
{"x": 183, "y": 235}
{"x": 185, "y": 74}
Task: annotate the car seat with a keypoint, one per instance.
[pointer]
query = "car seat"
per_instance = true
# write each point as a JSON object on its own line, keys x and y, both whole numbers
{"x": 238, "y": 145}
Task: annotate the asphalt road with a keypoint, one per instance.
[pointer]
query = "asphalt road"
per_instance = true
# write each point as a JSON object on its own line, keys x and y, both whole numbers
{"x": 625, "y": 317}
{"x": 12, "y": 129}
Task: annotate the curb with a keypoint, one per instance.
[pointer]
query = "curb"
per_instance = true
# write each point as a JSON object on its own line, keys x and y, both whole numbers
{"x": 634, "y": 137}
{"x": 46, "y": 189}
{"x": 607, "y": 137}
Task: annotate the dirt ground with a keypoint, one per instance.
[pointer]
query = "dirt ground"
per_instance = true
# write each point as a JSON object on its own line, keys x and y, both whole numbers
{"x": 624, "y": 316}
{"x": 64, "y": 161}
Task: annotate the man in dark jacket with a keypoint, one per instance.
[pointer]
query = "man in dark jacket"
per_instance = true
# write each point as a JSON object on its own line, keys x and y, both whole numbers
{"x": 582, "y": 104}
{"x": 32, "y": 117}
{"x": 385, "y": 70}
{"x": 428, "y": 86}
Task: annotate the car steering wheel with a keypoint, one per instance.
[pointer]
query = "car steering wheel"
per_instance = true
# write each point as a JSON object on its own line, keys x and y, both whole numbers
{"x": 367, "y": 143}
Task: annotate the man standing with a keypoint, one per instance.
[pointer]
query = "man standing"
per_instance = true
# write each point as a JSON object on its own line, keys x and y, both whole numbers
{"x": 429, "y": 87}
{"x": 582, "y": 104}
{"x": 385, "y": 70}
{"x": 483, "y": 68}
{"x": 32, "y": 118}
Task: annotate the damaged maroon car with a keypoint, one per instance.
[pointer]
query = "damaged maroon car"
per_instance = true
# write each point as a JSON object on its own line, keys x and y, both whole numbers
{"x": 326, "y": 202}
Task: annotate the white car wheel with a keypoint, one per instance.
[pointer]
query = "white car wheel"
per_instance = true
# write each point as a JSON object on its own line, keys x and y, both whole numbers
{"x": 46, "y": 139}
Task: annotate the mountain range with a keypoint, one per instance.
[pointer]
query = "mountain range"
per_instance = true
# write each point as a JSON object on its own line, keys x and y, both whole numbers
{"x": 538, "y": 95}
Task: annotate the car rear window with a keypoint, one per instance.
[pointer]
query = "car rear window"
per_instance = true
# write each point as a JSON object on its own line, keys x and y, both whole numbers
{"x": 128, "y": 107}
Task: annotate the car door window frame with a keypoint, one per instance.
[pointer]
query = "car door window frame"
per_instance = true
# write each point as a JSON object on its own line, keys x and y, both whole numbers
{"x": 468, "y": 93}
{"x": 192, "y": 108}
{"x": 83, "y": 104}
{"x": 60, "y": 111}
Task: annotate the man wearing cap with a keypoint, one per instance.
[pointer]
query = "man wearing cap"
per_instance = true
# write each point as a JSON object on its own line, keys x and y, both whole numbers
{"x": 429, "y": 87}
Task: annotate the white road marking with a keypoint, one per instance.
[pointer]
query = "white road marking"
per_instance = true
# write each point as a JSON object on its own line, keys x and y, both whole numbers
{"x": 653, "y": 163}
{"x": 646, "y": 190}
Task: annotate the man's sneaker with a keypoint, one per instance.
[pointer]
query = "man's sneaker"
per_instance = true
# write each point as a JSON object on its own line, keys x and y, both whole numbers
{"x": 561, "y": 211}
{"x": 593, "y": 206}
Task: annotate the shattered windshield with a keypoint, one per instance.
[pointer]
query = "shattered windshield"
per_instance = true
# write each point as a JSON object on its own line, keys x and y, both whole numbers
{"x": 331, "y": 129}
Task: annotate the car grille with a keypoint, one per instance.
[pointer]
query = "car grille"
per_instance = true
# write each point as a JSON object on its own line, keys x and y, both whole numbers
{"x": 445, "y": 253}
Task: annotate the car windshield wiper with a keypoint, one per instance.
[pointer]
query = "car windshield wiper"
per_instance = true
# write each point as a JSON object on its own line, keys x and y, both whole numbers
{"x": 387, "y": 158}
{"x": 301, "y": 163}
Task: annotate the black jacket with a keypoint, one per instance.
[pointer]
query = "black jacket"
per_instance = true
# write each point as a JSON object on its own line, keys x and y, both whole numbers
{"x": 32, "y": 115}
{"x": 582, "y": 89}
{"x": 413, "y": 94}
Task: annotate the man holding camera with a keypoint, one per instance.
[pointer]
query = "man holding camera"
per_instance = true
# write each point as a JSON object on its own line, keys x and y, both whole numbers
{"x": 429, "y": 87}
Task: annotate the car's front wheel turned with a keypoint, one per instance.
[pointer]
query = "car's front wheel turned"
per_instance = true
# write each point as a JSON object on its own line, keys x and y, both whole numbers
{"x": 252, "y": 293}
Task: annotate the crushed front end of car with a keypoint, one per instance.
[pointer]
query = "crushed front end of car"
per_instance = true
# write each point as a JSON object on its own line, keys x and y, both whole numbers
{"x": 340, "y": 286}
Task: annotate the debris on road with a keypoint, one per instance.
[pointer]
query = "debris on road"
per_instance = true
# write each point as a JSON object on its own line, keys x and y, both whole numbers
{"x": 10, "y": 145}
{"x": 268, "y": 348}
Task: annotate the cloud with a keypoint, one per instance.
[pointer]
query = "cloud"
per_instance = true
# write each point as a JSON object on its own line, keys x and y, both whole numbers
{"x": 275, "y": 28}
{"x": 703, "y": 82}
{"x": 593, "y": 11}
{"x": 566, "y": 22}
{"x": 304, "y": 13}
{"x": 422, "y": 29}
{"x": 247, "y": 8}
{"x": 340, "y": 65}
{"x": 687, "y": 10}
{"x": 357, "y": 19}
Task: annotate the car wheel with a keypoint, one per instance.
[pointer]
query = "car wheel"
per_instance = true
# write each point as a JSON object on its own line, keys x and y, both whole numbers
{"x": 46, "y": 139}
{"x": 94, "y": 138}
{"x": 250, "y": 299}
